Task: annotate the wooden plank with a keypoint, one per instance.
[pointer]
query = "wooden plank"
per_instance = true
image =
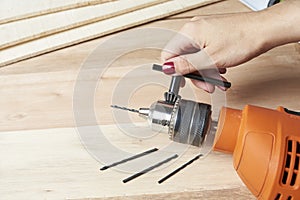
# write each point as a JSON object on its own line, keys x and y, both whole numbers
{"x": 240, "y": 193}
{"x": 42, "y": 90}
{"x": 56, "y": 88}
{"x": 80, "y": 52}
{"x": 53, "y": 77}
{"x": 53, "y": 164}
{"x": 39, "y": 27}
{"x": 98, "y": 29}
{"x": 228, "y": 7}
{"x": 13, "y": 10}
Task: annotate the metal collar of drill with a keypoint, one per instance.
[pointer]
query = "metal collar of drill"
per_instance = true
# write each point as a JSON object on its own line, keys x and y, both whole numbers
{"x": 188, "y": 121}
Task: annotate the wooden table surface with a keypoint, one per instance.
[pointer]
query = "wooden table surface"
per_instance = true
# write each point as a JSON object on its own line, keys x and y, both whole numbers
{"x": 40, "y": 149}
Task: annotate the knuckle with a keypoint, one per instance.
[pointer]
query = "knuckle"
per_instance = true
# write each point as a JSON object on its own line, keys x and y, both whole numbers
{"x": 163, "y": 55}
{"x": 188, "y": 27}
{"x": 219, "y": 63}
{"x": 215, "y": 57}
{"x": 180, "y": 65}
{"x": 184, "y": 66}
{"x": 190, "y": 68}
{"x": 194, "y": 19}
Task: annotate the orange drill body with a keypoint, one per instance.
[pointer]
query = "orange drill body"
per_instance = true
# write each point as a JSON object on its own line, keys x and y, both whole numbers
{"x": 266, "y": 149}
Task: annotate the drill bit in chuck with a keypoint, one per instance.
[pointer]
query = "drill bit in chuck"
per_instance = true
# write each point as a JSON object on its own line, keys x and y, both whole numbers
{"x": 124, "y": 108}
{"x": 140, "y": 111}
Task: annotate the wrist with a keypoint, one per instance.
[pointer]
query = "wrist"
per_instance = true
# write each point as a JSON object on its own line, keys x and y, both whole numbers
{"x": 280, "y": 24}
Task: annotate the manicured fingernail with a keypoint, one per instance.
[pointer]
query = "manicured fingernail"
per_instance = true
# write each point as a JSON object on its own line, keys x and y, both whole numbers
{"x": 168, "y": 68}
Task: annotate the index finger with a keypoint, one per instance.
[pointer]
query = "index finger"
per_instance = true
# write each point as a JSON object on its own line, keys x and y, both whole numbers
{"x": 180, "y": 44}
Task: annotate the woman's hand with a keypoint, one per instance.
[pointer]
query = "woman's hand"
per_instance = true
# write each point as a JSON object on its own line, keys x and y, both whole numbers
{"x": 219, "y": 42}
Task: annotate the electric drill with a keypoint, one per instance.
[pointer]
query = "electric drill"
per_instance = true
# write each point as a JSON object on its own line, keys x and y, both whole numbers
{"x": 265, "y": 143}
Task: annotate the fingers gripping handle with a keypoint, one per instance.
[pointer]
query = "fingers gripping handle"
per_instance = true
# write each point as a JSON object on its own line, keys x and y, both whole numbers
{"x": 212, "y": 81}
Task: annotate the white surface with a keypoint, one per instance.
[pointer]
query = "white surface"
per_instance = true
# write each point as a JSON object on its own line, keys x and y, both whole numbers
{"x": 256, "y": 4}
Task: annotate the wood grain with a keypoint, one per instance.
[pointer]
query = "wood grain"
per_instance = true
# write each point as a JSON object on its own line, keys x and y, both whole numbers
{"x": 53, "y": 164}
{"x": 50, "y": 101}
{"x": 10, "y": 12}
{"x": 228, "y": 194}
{"x": 97, "y": 29}
{"x": 41, "y": 152}
{"x": 42, "y": 26}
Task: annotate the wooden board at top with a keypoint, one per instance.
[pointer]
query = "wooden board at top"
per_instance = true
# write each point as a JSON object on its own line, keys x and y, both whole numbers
{"x": 98, "y": 29}
{"x": 18, "y": 32}
{"x": 13, "y": 10}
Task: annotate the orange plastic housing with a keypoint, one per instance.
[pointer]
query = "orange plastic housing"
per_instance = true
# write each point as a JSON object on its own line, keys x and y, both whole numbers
{"x": 266, "y": 149}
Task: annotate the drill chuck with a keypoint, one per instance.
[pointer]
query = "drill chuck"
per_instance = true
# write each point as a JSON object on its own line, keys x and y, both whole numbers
{"x": 190, "y": 122}
{"x": 187, "y": 121}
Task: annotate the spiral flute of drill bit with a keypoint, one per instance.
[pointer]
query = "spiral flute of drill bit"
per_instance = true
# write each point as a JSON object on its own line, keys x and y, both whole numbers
{"x": 124, "y": 108}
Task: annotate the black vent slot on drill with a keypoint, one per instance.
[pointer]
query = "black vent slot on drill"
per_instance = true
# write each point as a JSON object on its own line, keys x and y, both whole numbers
{"x": 292, "y": 163}
{"x": 278, "y": 197}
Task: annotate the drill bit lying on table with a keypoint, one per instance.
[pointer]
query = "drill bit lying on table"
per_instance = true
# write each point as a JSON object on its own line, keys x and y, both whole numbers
{"x": 179, "y": 169}
{"x": 129, "y": 159}
{"x": 149, "y": 169}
